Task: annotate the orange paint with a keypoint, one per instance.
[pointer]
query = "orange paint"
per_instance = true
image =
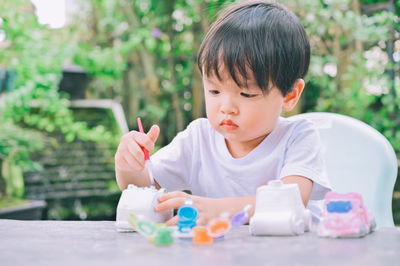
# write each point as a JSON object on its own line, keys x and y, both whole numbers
{"x": 201, "y": 236}
{"x": 219, "y": 227}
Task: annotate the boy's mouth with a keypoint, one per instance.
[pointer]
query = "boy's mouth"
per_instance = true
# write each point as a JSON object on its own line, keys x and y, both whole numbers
{"x": 228, "y": 124}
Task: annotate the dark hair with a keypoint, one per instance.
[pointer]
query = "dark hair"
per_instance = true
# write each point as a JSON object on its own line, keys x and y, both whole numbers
{"x": 263, "y": 37}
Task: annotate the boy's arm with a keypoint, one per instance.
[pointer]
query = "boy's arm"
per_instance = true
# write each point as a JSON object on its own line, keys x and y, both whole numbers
{"x": 305, "y": 186}
{"x": 129, "y": 158}
{"x": 124, "y": 178}
{"x": 209, "y": 208}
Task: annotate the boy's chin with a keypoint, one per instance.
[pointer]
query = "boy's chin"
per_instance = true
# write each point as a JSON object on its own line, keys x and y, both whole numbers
{"x": 248, "y": 140}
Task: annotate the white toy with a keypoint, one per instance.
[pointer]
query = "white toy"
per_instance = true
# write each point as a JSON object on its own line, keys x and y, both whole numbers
{"x": 279, "y": 210}
{"x": 141, "y": 202}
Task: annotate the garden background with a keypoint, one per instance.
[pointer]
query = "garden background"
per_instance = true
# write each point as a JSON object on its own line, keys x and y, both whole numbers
{"x": 141, "y": 54}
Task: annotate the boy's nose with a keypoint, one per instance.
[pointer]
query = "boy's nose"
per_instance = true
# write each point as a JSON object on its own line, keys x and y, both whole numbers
{"x": 228, "y": 107}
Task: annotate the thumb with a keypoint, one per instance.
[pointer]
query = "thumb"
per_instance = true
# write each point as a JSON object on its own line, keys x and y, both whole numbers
{"x": 153, "y": 133}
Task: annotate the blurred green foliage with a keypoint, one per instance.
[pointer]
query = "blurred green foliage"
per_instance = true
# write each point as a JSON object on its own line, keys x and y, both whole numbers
{"x": 143, "y": 53}
{"x": 36, "y": 54}
{"x": 350, "y": 63}
{"x": 16, "y": 145}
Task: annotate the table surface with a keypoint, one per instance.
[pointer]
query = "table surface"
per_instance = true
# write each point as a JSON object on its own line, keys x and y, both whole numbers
{"x": 98, "y": 243}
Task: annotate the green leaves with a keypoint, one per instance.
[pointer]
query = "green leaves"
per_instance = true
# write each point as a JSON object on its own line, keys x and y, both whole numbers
{"x": 36, "y": 54}
{"x": 13, "y": 178}
{"x": 16, "y": 144}
{"x": 349, "y": 63}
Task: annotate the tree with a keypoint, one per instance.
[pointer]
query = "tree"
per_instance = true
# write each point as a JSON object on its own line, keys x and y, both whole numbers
{"x": 143, "y": 53}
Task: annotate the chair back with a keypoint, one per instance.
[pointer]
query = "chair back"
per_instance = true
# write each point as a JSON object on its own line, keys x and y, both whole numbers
{"x": 358, "y": 159}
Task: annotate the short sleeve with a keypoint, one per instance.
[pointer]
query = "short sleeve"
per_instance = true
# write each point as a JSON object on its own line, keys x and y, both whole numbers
{"x": 303, "y": 157}
{"x": 171, "y": 164}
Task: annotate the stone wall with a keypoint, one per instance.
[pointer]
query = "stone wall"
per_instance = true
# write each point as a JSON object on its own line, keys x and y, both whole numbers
{"x": 78, "y": 179}
{"x": 77, "y": 169}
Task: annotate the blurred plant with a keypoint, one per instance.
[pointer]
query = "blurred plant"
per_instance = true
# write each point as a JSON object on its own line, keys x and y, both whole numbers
{"x": 36, "y": 54}
{"x": 16, "y": 145}
{"x": 350, "y": 63}
{"x": 143, "y": 53}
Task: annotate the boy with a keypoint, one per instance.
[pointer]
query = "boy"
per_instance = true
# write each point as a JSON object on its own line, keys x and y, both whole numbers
{"x": 253, "y": 61}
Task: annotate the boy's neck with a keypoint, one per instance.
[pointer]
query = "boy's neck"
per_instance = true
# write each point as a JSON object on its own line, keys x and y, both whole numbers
{"x": 241, "y": 149}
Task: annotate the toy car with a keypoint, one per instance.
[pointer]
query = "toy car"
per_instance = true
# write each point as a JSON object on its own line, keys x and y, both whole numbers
{"x": 141, "y": 202}
{"x": 279, "y": 210}
{"x": 344, "y": 215}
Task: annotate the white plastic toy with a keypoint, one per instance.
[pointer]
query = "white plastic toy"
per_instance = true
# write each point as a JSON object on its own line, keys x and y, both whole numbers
{"x": 140, "y": 201}
{"x": 279, "y": 210}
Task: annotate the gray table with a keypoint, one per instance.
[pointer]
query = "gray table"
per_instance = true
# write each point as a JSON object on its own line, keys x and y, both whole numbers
{"x": 98, "y": 243}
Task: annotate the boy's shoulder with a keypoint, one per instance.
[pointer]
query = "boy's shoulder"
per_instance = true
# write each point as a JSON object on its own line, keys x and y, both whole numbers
{"x": 199, "y": 124}
{"x": 296, "y": 123}
{"x": 295, "y": 129}
{"x": 198, "y": 128}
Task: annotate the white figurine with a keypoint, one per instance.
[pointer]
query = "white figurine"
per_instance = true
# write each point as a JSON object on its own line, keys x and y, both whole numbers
{"x": 279, "y": 210}
{"x": 140, "y": 201}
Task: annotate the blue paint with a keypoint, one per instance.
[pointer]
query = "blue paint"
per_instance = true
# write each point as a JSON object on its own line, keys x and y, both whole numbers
{"x": 339, "y": 206}
{"x": 187, "y": 218}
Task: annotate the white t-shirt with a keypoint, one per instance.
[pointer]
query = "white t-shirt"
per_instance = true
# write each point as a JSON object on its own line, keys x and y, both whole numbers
{"x": 198, "y": 159}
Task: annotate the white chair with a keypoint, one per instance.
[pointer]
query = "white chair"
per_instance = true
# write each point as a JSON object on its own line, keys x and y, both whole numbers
{"x": 358, "y": 159}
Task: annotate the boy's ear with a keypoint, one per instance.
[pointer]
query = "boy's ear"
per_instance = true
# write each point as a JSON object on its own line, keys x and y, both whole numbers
{"x": 291, "y": 99}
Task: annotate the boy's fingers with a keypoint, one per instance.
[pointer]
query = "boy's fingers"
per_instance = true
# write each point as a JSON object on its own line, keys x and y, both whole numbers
{"x": 173, "y": 221}
{"x": 173, "y": 194}
{"x": 125, "y": 156}
{"x": 135, "y": 151}
{"x": 143, "y": 140}
{"x": 129, "y": 162}
{"x": 173, "y": 203}
{"x": 153, "y": 133}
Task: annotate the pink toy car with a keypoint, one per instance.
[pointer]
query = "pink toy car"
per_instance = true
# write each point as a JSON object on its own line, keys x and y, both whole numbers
{"x": 344, "y": 215}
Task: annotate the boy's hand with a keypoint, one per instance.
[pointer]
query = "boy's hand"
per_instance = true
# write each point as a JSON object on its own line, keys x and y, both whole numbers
{"x": 208, "y": 208}
{"x": 129, "y": 157}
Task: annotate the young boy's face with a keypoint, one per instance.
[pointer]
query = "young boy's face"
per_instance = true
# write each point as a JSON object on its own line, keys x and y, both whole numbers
{"x": 244, "y": 116}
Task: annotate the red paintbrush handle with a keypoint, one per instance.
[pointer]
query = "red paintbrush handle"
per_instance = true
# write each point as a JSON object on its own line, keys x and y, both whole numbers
{"x": 145, "y": 151}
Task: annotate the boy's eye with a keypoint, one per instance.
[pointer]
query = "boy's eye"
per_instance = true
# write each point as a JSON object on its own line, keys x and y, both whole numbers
{"x": 214, "y": 92}
{"x": 247, "y": 95}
